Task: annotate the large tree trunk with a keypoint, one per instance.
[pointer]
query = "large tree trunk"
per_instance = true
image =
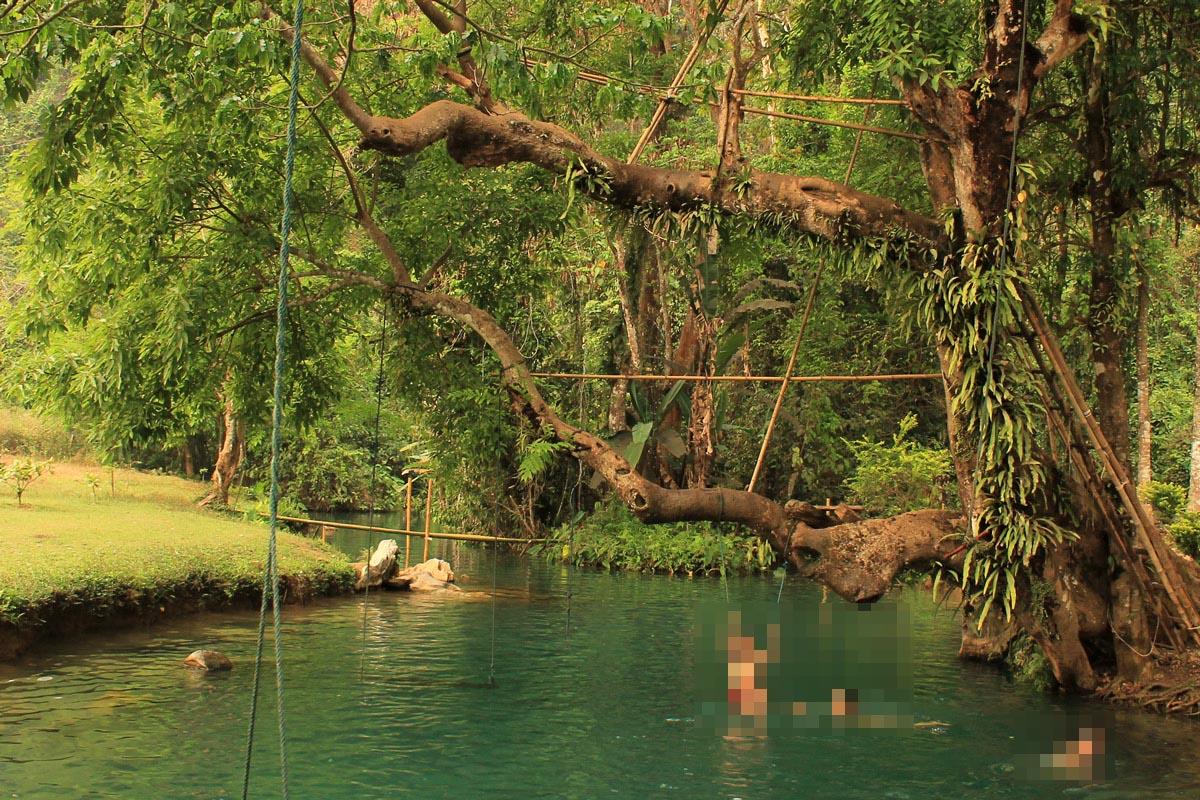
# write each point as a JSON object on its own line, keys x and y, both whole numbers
{"x": 970, "y": 174}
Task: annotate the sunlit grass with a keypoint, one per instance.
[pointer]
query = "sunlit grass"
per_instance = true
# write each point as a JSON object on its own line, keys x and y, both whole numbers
{"x": 77, "y": 542}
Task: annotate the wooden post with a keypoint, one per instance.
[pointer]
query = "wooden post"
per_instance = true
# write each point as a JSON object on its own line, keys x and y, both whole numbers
{"x": 428, "y": 518}
{"x": 407, "y": 520}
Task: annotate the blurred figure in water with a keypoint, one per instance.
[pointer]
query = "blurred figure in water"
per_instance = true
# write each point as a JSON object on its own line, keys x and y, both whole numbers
{"x": 1078, "y": 759}
{"x": 766, "y": 668}
{"x": 746, "y": 670}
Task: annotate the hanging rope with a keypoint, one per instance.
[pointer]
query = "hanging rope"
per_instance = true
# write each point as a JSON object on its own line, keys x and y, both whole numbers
{"x": 870, "y": 109}
{"x": 577, "y": 495}
{"x": 362, "y": 659}
{"x": 571, "y": 559}
{"x": 271, "y": 572}
{"x": 492, "y": 657}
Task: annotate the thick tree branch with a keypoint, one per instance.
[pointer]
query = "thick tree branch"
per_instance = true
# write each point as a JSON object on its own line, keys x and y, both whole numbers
{"x": 814, "y": 205}
{"x": 475, "y": 138}
{"x": 859, "y": 560}
{"x": 1064, "y": 34}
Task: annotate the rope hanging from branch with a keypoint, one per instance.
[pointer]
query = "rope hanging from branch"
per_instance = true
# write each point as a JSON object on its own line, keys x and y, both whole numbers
{"x": 271, "y": 571}
{"x": 374, "y": 487}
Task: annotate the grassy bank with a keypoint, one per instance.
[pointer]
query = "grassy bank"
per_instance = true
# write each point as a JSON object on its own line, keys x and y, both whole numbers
{"x": 91, "y": 548}
{"x": 612, "y": 538}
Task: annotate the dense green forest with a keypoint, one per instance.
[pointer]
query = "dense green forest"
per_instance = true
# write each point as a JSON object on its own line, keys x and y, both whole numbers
{"x": 469, "y": 214}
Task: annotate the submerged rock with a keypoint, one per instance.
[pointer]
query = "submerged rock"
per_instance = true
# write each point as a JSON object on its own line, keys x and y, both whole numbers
{"x": 424, "y": 582}
{"x": 428, "y": 576}
{"x": 209, "y": 660}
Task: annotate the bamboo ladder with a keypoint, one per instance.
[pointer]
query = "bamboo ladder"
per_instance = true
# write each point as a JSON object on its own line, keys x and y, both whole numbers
{"x": 1145, "y": 530}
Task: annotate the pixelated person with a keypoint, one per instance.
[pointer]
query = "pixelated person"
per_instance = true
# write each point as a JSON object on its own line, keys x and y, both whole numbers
{"x": 843, "y": 706}
{"x": 746, "y": 669}
{"x": 1080, "y": 758}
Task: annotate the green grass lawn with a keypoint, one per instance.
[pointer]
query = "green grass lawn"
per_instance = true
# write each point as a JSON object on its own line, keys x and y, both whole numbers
{"x": 146, "y": 545}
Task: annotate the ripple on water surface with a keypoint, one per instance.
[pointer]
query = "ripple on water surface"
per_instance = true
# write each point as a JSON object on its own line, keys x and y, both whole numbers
{"x": 389, "y": 697}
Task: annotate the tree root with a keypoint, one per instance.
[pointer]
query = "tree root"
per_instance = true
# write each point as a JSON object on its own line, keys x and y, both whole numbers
{"x": 1173, "y": 698}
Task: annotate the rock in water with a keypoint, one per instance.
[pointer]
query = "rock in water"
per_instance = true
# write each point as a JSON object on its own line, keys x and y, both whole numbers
{"x": 380, "y": 567}
{"x": 436, "y": 568}
{"x": 427, "y": 576}
{"x": 209, "y": 660}
{"x": 424, "y": 582}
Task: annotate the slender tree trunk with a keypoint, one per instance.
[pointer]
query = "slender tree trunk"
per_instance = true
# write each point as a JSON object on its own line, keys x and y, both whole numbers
{"x": 1061, "y": 264}
{"x": 1104, "y": 323}
{"x": 229, "y": 457}
{"x": 185, "y": 453}
{"x": 1145, "y": 433}
{"x": 1193, "y": 501}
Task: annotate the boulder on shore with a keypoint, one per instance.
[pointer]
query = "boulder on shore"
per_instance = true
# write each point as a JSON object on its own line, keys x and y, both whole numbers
{"x": 380, "y": 567}
{"x": 209, "y": 661}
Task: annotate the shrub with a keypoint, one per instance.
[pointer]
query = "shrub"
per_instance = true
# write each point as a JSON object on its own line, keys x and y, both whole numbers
{"x": 324, "y": 473}
{"x": 1185, "y": 530}
{"x": 891, "y": 478}
{"x": 1167, "y": 499}
{"x": 613, "y": 538}
{"x": 21, "y": 473}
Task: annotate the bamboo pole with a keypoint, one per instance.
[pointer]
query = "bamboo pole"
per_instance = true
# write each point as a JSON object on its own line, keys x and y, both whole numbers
{"x": 660, "y": 110}
{"x": 407, "y": 520}
{"x": 1086, "y": 469}
{"x": 1144, "y": 527}
{"x": 787, "y": 378}
{"x": 429, "y": 485}
{"x": 601, "y": 79}
{"x": 459, "y": 537}
{"x": 819, "y": 98}
{"x": 854, "y": 126}
{"x": 911, "y": 376}
{"x": 1056, "y": 409}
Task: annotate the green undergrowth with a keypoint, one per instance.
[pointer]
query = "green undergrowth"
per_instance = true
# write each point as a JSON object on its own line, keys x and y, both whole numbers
{"x": 1028, "y": 666}
{"x": 137, "y": 543}
{"x": 24, "y": 432}
{"x": 612, "y": 538}
{"x": 1169, "y": 502}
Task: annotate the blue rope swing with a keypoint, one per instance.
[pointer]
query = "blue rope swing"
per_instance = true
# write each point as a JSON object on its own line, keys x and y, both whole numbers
{"x": 271, "y": 572}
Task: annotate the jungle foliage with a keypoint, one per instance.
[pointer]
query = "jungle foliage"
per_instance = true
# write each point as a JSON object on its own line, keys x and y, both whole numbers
{"x": 1047, "y": 159}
